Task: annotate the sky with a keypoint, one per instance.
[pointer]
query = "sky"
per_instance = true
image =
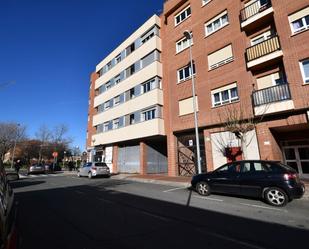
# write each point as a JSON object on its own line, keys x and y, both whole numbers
{"x": 48, "y": 48}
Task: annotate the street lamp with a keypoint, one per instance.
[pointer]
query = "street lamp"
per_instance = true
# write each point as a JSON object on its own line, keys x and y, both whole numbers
{"x": 64, "y": 152}
{"x": 77, "y": 150}
{"x": 16, "y": 137}
{"x": 188, "y": 36}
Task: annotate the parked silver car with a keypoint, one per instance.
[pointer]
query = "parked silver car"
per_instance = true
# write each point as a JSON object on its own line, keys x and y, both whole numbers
{"x": 94, "y": 169}
{"x": 36, "y": 168}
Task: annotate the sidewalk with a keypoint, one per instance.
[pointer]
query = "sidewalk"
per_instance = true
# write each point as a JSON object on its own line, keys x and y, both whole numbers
{"x": 177, "y": 181}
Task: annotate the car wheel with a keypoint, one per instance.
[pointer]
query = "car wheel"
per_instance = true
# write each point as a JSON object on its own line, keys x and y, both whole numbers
{"x": 276, "y": 197}
{"x": 89, "y": 175}
{"x": 203, "y": 188}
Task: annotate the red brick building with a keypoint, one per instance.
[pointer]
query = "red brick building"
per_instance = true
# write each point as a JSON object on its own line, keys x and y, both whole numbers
{"x": 251, "y": 63}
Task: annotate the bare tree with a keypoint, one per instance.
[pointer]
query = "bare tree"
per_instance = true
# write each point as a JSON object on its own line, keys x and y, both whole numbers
{"x": 10, "y": 134}
{"x": 58, "y": 135}
{"x": 44, "y": 136}
{"x": 239, "y": 122}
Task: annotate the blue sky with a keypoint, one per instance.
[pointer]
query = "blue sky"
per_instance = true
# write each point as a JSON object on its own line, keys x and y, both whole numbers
{"x": 48, "y": 48}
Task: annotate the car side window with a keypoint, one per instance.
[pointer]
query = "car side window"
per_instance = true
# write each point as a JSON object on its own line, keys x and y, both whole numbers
{"x": 259, "y": 167}
{"x": 246, "y": 167}
{"x": 223, "y": 168}
{"x": 274, "y": 168}
{"x": 234, "y": 167}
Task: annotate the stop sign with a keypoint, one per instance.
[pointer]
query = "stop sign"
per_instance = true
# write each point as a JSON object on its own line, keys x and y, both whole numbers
{"x": 55, "y": 154}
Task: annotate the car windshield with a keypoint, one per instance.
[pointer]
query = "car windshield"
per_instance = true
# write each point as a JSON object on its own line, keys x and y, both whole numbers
{"x": 100, "y": 164}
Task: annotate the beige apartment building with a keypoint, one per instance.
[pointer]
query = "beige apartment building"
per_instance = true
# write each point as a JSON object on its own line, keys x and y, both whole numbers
{"x": 251, "y": 67}
{"x": 125, "y": 117}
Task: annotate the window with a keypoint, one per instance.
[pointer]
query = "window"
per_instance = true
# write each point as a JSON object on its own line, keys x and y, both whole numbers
{"x": 304, "y": 66}
{"x": 101, "y": 89}
{"x": 216, "y": 23}
{"x": 106, "y": 105}
{"x": 132, "y": 118}
{"x": 130, "y": 70}
{"x": 185, "y": 73}
{"x": 109, "y": 65}
{"x": 99, "y": 128}
{"x": 277, "y": 78}
{"x": 130, "y": 49}
{"x": 260, "y": 38}
{"x": 183, "y": 44}
{"x": 117, "y": 79}
{"x": 132, "y": 93}
{"x": 224, "y": 95}
{"x": 148, "y": 115}
{"x": 105, "y": 126}
{"x": 186, "y": 106}
{"x": 183, "y": 15}
{"x": 149, "y": 85}
{"x": 148, "y": 59}
{"x": 100, "y": 108}
{"x": 204, "y": 2}
{"x": 118, "y": 58}
{"x": 108, "y": 85}
{"x": 220, "y": 57}
{"x": 117, "y": 100}
{"x": 116, "y": 123}
{"x": 299, "y": 21}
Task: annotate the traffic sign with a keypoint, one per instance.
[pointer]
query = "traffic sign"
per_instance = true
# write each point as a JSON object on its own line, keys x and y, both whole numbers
{"x": 55, "y": 154}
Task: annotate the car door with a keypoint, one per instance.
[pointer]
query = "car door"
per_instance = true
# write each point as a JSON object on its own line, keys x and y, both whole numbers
{"x": 252, "y": 178}
{"x": 226, "y": 179}
{"x": 84, "y": 170}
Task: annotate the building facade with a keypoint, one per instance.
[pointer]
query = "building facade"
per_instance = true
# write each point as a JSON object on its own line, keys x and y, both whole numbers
{"x": 251, "y": 69}
{"x": 125, "y": 121}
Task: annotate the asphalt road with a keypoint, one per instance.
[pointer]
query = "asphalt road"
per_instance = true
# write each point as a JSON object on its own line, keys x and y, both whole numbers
{"x": 63, "y": 212}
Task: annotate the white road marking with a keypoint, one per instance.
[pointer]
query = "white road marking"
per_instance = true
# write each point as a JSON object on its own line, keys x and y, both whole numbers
{"x": 259, "y": 206}
{"x": 170, "y": 190}
{"x": 208, "y": 198}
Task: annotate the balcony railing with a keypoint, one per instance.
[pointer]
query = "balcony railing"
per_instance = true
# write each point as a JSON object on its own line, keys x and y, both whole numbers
{"x": 263, "y": 48}
{"x": 271, "y": 94}
{"x": 254, "y": 8}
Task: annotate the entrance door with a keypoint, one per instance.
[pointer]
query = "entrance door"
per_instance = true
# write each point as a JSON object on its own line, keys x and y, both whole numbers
{"x": 298, "y": 158}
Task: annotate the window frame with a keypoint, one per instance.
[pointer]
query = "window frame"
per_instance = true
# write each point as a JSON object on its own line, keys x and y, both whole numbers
{"x": 190, "y": 73}
{"x": 148, "y": 114}
{"x": 305, "y": 78}
{"x": 204, "y": 2}
{"x": 179, "y": 14}
{"x": 182, "y": 40}
{"x": 116, "y": 123}
{"x": 222, "y": 102}
{"x": 212, "y": 23}
{"x": 105, "y": 126}
{"x": 303, "y": 28}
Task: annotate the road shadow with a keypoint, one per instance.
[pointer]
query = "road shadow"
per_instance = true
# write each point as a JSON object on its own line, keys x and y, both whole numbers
{"x": 24, "y": 183}
{"x": 93, "y": 217}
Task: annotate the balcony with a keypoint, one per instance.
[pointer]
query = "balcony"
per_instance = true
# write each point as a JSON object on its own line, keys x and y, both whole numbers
{"x": 264, "y": 52}
{"x": 256, "y": 14}
{"x": 272, "y": 99}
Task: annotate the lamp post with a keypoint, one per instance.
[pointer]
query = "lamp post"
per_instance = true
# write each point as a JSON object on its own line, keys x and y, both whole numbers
{"x": 188, "y": 36}
{"x": 77, "y": 149}
{"x": 64, "y": 152}
{"x": 16, "y": 137}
